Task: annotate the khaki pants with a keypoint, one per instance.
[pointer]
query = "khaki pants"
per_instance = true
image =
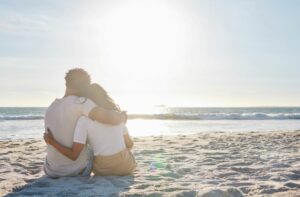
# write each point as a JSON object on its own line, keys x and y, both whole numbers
{"x": 119, "y": 164}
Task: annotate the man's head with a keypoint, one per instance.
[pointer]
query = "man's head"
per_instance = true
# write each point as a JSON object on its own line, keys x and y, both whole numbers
{"x": 77, "y": 79}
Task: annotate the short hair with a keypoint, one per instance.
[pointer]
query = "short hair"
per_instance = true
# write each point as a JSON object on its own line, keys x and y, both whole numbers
{"x": 77, "y": 78}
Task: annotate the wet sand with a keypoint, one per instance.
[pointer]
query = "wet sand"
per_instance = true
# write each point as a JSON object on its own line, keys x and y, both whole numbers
{"x": 215, "y": 164}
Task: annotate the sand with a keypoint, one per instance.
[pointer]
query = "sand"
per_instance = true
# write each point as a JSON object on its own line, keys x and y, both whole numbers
{"x": 216, "y": 164}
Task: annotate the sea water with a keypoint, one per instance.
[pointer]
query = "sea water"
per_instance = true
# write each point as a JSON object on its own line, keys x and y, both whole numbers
{"x": 25, "y": 123}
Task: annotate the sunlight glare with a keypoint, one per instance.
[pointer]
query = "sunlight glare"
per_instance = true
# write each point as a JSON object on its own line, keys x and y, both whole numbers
{"x": 142, "y": 42}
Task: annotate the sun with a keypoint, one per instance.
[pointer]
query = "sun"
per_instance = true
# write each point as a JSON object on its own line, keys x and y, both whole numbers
{"x": 142, "y": 42}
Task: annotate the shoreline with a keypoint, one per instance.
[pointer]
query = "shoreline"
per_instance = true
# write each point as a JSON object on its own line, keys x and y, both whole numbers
{"x": 202, "y": 164}
{"x": 164, "y": 134}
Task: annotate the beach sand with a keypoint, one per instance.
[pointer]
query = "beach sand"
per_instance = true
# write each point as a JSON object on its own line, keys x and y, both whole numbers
{"x": 207, "y": 164}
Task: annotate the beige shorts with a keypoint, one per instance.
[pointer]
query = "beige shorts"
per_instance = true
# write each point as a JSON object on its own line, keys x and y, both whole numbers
{"x": 119, "y": 164}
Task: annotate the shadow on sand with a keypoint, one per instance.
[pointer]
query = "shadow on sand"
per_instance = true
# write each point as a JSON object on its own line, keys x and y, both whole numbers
{"x": 75, "y": 186}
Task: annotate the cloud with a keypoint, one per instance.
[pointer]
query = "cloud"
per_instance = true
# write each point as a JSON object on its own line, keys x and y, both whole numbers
{"x": 12, "y": 22}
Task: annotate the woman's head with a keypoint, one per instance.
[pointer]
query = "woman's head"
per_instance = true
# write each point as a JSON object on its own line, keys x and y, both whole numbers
{"x": 99, "y": 95}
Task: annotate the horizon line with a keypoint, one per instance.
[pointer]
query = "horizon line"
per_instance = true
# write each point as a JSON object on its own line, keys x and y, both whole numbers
{"x": 261, "y": 106}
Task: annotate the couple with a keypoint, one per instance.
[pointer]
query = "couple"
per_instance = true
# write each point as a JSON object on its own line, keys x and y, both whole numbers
{"x": 85, "y": 131}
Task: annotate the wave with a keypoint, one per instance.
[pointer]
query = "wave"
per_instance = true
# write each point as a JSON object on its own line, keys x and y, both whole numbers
{"x": 201, "y": 116}
{"x": 22, "y": 117}
{"x": 219, "y": 116}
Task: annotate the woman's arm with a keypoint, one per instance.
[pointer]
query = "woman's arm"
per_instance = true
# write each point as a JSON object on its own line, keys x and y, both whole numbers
{"x": 107, "y": 116}
{"x": 71, "y": 153}
{"x": 128, "y": 141}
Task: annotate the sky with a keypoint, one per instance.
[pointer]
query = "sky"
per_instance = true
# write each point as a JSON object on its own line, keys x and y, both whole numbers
{"x": 156, "y": 52}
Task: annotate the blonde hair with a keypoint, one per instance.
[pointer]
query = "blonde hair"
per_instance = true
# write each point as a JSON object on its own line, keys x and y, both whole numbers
{"x": 77, "y": 79}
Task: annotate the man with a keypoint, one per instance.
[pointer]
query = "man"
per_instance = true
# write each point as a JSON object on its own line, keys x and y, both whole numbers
{"x": 61, "y": 118}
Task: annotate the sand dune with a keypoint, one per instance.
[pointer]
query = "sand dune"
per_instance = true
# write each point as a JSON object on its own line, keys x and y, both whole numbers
{"x": 216, "y": 164}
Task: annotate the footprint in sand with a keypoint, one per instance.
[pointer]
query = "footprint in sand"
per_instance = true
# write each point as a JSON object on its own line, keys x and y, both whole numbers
{"x": 264, "y": 177}
{"x": 280, "y": 165}
{"x": 185, "y": 184}
{"x": 227, "y": 174}
{"x": 270, "y": 191}
{"x": 213, "y": 182}
{"x": 153, "y": 178}
{"x": 29, "y": 180}
{"x": 294, "y": 176}
{"x": 229, "y": 192}
{"x": 245, "y": 190}
{"x": 18, "y": 170}
{"x": 171, "y": 174}
{"x": 278, "y": 178}
{"x": 145, "y": 152}
{"x": 171, "y": 189}
{"x": 38, "y": 163}
{"x": 34, "y": 171}
{"x": 183, "y": 171}
{"x": 170, "y": 142}
{"x": 246, "y": 170}
{"x": 142, "y": 186}
{"x": 186, "y": 194}
{"x": 18, "y": 165}
{"x": 242, "y": 164}
{"x": 239, "y": 184}
{"x": 179, "y": 158}
{"x": 292, "y": 185}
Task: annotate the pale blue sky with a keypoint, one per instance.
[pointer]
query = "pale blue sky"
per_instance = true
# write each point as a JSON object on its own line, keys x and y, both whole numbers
{"x": 199, "y": 53}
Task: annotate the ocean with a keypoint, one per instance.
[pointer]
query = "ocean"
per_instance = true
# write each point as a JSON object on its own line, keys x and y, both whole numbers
{"x": 26, "y": 123}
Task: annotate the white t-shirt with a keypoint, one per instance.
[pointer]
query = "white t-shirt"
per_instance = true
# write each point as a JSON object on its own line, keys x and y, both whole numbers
{"x": 104, "y": 139}
{"x": 61, "y": 118}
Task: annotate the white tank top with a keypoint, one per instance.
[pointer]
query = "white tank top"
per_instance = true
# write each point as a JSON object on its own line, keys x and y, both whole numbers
{"x": 104, "y": 139}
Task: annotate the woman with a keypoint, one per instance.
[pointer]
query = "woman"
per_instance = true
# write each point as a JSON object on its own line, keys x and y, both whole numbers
{"x": 111, "y": 144}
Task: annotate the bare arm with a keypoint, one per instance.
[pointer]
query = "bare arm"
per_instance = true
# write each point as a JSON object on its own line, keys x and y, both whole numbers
{"x": 107, "y": 116}
{"x": 71, "y": 153}
{"x": 128, "y": 141}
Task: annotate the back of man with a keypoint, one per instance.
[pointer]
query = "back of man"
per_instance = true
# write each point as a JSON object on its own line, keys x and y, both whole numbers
{"x": 61, "y": 118}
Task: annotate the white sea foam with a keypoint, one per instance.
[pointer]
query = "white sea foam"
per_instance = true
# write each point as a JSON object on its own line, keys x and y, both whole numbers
{"x": 219, "y": 116}
{"x": 22, "y": 117}
{"x": 16, "y": 123}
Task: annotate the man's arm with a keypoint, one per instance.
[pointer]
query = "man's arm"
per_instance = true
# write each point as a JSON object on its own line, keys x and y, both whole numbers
{"x": 107, "y": 116}
{"x": 71, "y": 153}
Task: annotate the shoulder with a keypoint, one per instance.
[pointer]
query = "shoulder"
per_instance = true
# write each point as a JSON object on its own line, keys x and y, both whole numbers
{"x": 80, "y": 100}
{"x": 77, "y": 100}
{"x": 52, "y": 106}
{"x": 53, "y": 103}
{"x": 83, "y": 120}
{"x": 84, "y": 101}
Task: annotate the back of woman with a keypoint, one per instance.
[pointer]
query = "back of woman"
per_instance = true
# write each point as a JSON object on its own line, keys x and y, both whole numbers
{"x": 104, "y": 139}
{"x": 111, "y": 156}
{"x": 111, "y": 144}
